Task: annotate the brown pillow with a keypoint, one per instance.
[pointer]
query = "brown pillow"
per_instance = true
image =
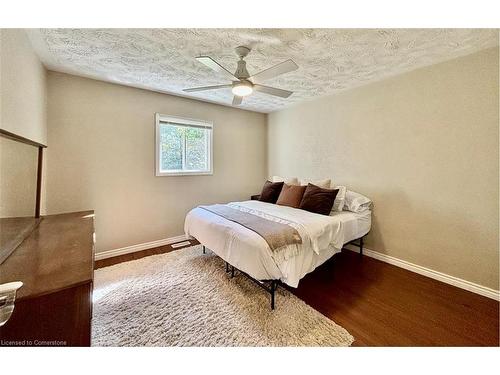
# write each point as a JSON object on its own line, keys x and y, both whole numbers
{"x": 318, "y": 200}
{"x": 291, "y": 195}
{"x": 271, "y": 191}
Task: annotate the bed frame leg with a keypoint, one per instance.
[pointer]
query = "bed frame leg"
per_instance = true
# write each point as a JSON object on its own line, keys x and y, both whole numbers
{"x": 361, "y": 246}
{"x": 204, "y": 252}
{"x": 227, "y": 267}
{"x": 273, "y": 289}
{"x": 232, "y": 271}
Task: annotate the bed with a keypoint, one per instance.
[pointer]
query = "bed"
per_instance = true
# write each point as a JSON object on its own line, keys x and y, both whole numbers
{"x": 323, "y": 236}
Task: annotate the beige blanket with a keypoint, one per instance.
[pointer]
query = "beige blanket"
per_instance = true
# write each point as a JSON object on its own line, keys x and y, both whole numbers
{"x": 275, "y": 234}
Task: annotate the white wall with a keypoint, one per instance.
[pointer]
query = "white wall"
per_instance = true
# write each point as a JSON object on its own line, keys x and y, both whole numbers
{"x": 101, "y": 157}
{"x": 22, "y": 87}
{"x": 23, "y": 111}
{"x": 424, "y": 147}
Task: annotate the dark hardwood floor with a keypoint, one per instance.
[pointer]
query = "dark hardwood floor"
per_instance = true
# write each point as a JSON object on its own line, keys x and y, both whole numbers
{"x": 383, "y": 305}
{"x": 137, "y": 255}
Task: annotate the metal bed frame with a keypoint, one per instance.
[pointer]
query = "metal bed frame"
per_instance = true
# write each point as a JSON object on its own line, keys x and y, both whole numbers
{"x": 359, "y": 244}
{"x": 273, "y": 284}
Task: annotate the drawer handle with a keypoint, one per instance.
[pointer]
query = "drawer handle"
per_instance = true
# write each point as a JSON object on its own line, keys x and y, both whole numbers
{"x": 7, "y": 299}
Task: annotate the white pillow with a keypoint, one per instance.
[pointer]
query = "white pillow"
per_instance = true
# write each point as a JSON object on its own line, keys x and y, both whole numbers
{"x": 324, "y": 184}
{"x": 339, "y": 202}
{"x": 286, "y": 180}
{"x": 356, "y": 202}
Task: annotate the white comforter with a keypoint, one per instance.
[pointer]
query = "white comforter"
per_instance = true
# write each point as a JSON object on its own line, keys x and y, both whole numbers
{"x": 322, "y": 236}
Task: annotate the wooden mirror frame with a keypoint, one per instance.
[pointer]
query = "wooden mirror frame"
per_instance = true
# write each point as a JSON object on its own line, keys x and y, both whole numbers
{"x": 40, "y": 146}
{"x": 22, "y": 231}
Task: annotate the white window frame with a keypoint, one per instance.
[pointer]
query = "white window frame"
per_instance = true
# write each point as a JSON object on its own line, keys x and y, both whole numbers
{"x": 159, "y": 118}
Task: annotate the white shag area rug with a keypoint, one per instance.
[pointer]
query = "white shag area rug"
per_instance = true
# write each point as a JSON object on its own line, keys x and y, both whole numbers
{"x": 185, "y": 298}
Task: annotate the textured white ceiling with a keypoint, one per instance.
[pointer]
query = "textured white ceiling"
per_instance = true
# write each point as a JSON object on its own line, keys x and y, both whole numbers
{"x": 329, "y": 60}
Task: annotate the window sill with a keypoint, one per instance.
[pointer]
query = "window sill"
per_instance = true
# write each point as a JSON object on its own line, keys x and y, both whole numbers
{"x": 184, "y": 173}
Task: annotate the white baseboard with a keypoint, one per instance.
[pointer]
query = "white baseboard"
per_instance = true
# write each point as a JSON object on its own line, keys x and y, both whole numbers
{"x": 452, "y": 280}
{"x": 139, "y": 247}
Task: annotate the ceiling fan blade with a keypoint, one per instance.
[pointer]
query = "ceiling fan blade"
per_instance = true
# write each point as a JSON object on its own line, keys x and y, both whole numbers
{"x": 282, "y": 68}
{"x": 237, "y": 100}
{"x": 273, "y": 91}
{"x": 215, "y": 66}
{"x": 194, "y": 89}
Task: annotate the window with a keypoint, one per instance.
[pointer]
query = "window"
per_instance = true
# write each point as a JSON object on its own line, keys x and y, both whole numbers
{"x": 183, "y": 146}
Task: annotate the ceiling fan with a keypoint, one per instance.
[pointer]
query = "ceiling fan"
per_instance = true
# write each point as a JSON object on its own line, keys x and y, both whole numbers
{"x": 242, "y": 83}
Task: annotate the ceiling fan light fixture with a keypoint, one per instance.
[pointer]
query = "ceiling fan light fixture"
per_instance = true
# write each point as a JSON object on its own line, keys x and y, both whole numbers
{"x": 242, "y": 84}
{"x": 242, "y": 88}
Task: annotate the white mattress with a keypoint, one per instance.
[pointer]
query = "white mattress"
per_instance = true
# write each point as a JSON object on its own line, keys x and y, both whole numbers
{"x": 247, "y": 251}
{"x": 355, "y": 225}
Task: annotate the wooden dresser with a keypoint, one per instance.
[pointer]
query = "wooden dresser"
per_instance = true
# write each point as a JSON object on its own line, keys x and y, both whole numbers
{"x": 56, "y": 264}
